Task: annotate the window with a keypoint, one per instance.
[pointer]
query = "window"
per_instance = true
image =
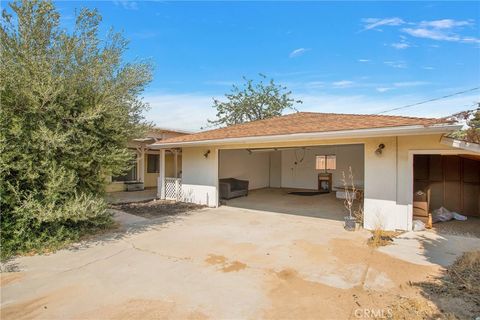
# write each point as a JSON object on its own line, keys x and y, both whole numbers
{"x": 152, "y": 163}
{"x": 130, "y": 175}
{"x": 326, "y": 162}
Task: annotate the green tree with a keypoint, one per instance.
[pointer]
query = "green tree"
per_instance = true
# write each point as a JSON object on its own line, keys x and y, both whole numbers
{"x": 472, "y": 118}
{"x": 253, "y": 101}
{"x": 69, "y": 105}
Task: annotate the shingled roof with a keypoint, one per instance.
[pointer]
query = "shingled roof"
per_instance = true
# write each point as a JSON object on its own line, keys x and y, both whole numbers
{"x": 305, "y": 122}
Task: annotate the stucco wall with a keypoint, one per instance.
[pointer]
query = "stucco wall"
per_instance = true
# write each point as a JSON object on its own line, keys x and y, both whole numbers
{"x": 200, "y": 176}
{"x": 304, "y": 175}
{"x": 241, "y": 164}
{"x": 275, "y": 169}
{"x": 388, "y": 178}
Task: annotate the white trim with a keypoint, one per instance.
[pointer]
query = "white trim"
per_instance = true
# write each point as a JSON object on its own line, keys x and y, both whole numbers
{"x": 459, "y": 144}
{"x": 217, "y": 187}
{"x": 161, "y": 175}
{"x": 361, "y": 133}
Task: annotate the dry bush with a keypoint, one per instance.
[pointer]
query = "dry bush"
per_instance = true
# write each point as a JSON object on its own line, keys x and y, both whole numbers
{"x": 462, "y": 279}
{"x": 381, "y": 238}
{"x": 358, "y": 214}
{"x": 416, "y": 309}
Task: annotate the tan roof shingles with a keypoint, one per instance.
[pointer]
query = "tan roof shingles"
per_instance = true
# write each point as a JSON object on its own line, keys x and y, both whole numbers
{"x": 304, "y": 122}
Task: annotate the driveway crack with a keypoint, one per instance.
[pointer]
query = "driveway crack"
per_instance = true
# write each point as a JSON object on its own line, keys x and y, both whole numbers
{"x": 95, "y": 261}
{"x": 170, "y": 257}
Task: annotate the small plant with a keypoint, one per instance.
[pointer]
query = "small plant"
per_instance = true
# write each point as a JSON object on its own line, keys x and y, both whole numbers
{"x": 350, "y": 194}
{"x": 381, "y": 238}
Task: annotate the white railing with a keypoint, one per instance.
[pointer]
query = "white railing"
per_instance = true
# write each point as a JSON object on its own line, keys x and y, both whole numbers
{"x": 172, "y": 189}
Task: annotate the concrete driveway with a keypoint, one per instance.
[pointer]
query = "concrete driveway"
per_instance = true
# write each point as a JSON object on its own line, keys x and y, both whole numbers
{"x": 222, "y": 263}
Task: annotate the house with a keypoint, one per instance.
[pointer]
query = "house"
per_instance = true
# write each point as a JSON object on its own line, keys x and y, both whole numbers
{"x": 391, "y": 158}
{"x": 145, "y": 170}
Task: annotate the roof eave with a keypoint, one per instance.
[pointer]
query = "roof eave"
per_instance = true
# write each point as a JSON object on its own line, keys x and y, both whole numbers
{"x": 344, "y": 134}
{"x": 460, "y": 144}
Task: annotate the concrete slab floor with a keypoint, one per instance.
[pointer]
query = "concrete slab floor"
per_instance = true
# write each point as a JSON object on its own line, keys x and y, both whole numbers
{"x": 325, "y": 206}
{"x": 216, "y": 263}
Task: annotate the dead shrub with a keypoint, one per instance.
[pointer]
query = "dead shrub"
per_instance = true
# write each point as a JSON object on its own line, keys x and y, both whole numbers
{"x": 461, "y": 279}
{"x": 381, "y": 238}
{"x": 416, "y": 309}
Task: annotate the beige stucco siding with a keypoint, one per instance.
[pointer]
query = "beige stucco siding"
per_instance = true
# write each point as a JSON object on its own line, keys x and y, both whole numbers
{"x": 200, "y": 176}
{"x": 388, "y": 178}
{"x": 298, "y": 166}
{"x": 241, "y": 164}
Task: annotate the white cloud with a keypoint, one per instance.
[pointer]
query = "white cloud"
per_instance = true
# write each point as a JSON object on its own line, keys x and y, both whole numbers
{"x": 445, "y": 23}
{"x": 401, "y": 85}
{"x": 315, "y": 84}
{"x": 374, "y": 23}
{"x": 126, "y": 4}
{"x": 383, "y": 89}
{"x": 190, "y": 111}
{"x": 297, "y": 52}
{"x": 376, "y": 103}
{"x": 180, "y": 111}
{"x": 363, "y": 60}
{"x": 428, "y": 68}
{"x": 410, "y": 84}
{"x": 400, "y": 45}
{"x": 440, "y": 30}
{"x": 396, "y": 64}
{"x": 434, "y": 34}
{"x": 343, "y": 84}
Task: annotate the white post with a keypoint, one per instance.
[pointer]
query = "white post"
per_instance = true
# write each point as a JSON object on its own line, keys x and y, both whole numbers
{"x": 175, "y": 163}
{"x": 177, "y": 190}
{"x": 161, "y": 176}
{"x": 141, "y": 165}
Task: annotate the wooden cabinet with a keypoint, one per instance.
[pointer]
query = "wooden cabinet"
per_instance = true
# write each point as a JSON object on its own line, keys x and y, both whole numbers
{"x": 325, "y": 182}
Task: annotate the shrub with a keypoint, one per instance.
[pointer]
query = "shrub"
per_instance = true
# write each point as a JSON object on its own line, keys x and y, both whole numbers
{"x": 69, "y": 106}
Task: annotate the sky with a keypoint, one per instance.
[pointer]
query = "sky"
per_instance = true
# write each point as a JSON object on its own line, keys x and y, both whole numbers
{"x": 343, "y": 57}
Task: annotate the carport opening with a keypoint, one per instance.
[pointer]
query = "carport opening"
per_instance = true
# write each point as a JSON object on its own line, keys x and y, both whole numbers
{"x": 451, "y": 182}
{"x": 303, "y": 180}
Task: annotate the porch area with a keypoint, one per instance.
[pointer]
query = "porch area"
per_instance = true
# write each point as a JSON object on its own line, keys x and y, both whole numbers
{"x": 132, "y": 196}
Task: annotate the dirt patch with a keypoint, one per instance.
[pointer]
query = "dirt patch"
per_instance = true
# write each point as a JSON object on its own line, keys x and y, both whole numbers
{"x": 313, "y": 250}
{"x": 457, "y": 290}
{"x": 234, "y": 266}
{"x": 469, "y": 228}
{"x": 385, "y": 280}
{"x": 7, "y": 278}
{"x": 398, "y": 271}
{"x": 157, "y": 208}
{"x": 226, "y": 266}
{"x": 215, "y": 259}
{"x": 145, "y": 310}
{"x": 293, "y": 297}
{"x": 37, "y": 307}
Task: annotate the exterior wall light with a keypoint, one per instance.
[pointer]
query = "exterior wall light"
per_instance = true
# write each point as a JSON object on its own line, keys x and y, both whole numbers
{"x": 381, "y": 146}
{"x": 206, "y": 153}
